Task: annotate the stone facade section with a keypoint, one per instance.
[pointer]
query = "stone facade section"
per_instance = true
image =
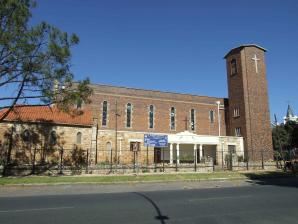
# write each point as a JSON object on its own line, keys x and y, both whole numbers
{"x": 40, "y": 146}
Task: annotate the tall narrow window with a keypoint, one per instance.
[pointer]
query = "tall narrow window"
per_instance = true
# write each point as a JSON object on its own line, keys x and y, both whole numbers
{"x": 236, "y": 112}
{"x": 79, "y": 138}
{"x": 211, "y": 116}
{"x": 192, "y": 119}
{"x": 104, "y": 113}
{"x": 128, "y": 115}
{"x": 233, "y": 67}
{"x": 172, "y": 118}
{"x": 53, "y": 138}
{"x": 151, "y": 116}
{"x": 237, "y": 131}
{"x": 26, "y": 136}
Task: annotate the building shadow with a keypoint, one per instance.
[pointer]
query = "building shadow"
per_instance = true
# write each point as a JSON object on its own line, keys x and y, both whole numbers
{"x": 159, "y": 216}
{"x": 283, "y": 179}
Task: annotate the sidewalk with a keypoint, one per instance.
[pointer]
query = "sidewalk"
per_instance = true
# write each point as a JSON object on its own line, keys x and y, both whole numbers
{"x": 74, "y": 189}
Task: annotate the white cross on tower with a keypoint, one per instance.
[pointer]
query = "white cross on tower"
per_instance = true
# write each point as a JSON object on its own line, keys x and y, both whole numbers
{"x": 256, "y": 62}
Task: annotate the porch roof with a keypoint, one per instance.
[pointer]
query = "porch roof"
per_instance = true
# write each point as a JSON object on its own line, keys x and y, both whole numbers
{"x": 187, "y": 137}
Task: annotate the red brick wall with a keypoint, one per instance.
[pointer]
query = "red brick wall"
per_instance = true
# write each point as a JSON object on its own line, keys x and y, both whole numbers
{"x": 248, "y": 91}
{"x": 162, "y": 101}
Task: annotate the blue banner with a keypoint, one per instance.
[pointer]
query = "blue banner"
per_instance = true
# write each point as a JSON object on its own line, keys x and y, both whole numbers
{"x": 155, "y": 140}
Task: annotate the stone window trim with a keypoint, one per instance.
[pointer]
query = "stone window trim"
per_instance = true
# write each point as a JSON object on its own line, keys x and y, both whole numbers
{"x": 153, "y": 122}
{"x": 233, "y": 67}
{"x": 107, "y": 115}
{"x": 131, "y": 116}
{"x": 212, "y": 116}
{"x": 194, "y": 121}
{"x": 172, "y": 128}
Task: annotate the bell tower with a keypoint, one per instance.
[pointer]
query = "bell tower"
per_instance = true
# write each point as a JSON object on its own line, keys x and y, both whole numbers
{"x": 248, "y": 107}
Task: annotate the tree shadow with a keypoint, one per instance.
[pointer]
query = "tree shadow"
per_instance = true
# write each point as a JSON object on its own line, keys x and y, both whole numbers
{"x": 27, "y": 146}
{"x": 283, "y": 179}
{"x": 159, "y": 216}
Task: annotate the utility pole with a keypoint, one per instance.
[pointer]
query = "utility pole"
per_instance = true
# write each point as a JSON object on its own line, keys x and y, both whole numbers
{"x": 116, "y": 132}
{"x": 218, "y": 116}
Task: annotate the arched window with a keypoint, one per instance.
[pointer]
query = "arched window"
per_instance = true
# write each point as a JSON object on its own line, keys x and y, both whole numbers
{"x": 26, "y": 135}
{"x": 192, "y": 119}
{"x": 79, "y": 138}
{"x": 211, "y": 116}
{"x": 104, "y": 113}
{"x": 128, "y": 115}
{"x": 109, "y": 149}
{"x": 151, "y": 116}
{"x": 53, "y": 138}
{"x": 172, "y": 118}
{"x": 233, "y": 67}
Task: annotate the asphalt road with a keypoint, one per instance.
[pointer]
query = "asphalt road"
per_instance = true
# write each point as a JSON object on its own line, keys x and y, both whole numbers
{"x": 257, "y": 203}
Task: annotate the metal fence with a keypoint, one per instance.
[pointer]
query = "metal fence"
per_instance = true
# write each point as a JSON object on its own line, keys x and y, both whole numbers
{"x": 78, "y": 161}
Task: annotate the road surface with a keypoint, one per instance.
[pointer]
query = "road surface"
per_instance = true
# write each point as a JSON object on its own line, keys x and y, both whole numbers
{"x": 249, "y": 203}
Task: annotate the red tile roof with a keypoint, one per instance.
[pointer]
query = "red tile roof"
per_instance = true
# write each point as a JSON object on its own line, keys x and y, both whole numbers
{"x": 48, "y": 114}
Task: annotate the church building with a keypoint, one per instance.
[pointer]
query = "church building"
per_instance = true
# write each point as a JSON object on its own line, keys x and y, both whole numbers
{"x": 200, "y": 127}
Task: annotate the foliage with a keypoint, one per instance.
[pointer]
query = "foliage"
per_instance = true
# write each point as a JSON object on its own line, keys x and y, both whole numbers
{"x": 285, "y": 136}
{"x": 35, "y": 61}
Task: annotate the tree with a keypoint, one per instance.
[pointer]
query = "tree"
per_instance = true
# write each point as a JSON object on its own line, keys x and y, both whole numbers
{"x": 280, "y": 137}
{"x": 35, "y": 61}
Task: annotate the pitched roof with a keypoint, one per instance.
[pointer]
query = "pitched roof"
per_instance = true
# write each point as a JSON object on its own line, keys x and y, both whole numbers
{"x": 290, "y": 112}
{"x": 48, "y": 114}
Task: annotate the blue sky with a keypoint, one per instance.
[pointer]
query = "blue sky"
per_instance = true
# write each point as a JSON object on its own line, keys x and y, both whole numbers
{"x": 178, "y": 46}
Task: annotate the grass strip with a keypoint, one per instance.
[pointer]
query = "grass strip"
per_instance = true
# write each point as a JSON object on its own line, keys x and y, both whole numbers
{"x": 137, "y": 178}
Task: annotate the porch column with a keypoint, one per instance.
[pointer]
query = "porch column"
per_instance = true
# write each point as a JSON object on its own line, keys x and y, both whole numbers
{"x": 201, "y": 152}
{"x": 171, "y": 153}
{"x": 178, "y": 154}
{"x": 195, "y": 153}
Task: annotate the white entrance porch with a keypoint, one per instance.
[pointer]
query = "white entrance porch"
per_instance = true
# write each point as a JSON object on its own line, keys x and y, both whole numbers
{"x": 187, "y": 147}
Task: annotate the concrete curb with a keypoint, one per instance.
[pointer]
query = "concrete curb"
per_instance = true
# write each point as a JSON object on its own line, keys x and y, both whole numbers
{"x": 124, "y": 182}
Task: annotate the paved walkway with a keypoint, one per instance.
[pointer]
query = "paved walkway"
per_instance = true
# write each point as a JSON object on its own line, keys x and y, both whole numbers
{"x": 72, "y": 189}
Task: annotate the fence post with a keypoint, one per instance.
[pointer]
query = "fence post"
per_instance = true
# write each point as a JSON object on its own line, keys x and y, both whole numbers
{"x": 195, "y": 159}
{"x": 34, "y": 158}
{"x": 262, "y": 154}
{"x": 111, "y": 160}
{"x": 176, "y": 162}
{"x": 147, "y": 158}
{"x": 134, "y": 161}
{"x": 163, "y": 159}
{"x": 222, "y": 157}
{"x": 61, "y": 160}
{"x": 87, "y": 165}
